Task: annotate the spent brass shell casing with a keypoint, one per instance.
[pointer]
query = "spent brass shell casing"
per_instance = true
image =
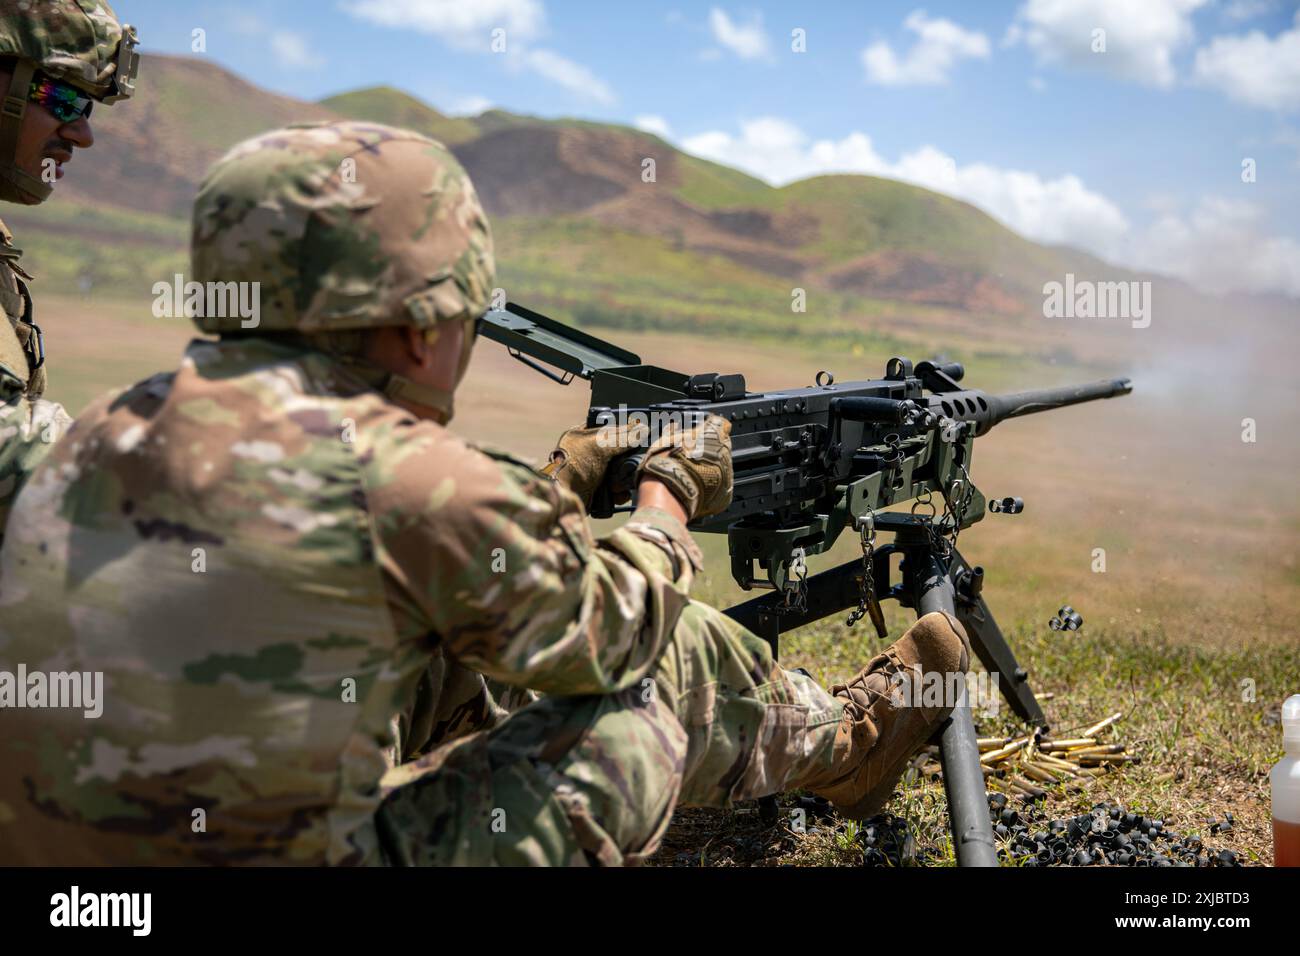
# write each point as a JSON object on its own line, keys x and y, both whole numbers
{"x": 1037, "y": 773}
{"x": 1063, "y": 765}
{"x": 1056, "y": 766}
{"x": 995, "y": 755}
{"x": 1099, "y": 749}
{"x": 1102, "y": 724}
{"x": 1028, "y": 787}
{"x": 992, "y": 743}
{"x": 1109, "y": 758}
{"x": 1067, "y": 744}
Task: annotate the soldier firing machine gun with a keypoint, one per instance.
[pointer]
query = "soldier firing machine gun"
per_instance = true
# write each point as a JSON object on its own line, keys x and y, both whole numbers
{"x": 811, "y": 463}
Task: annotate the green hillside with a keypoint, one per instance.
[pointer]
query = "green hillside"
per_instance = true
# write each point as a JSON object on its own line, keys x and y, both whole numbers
{"x": 383, "y": 104}
{"x": 98, "y": 249}
{"x": 704, "y": 249}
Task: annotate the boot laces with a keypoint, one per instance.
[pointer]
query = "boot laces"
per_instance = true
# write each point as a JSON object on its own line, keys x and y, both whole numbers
{"x": 888, "y": 670}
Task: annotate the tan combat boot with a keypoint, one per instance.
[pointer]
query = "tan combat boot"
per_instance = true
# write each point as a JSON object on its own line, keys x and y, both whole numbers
{"x": 883, "y": 725}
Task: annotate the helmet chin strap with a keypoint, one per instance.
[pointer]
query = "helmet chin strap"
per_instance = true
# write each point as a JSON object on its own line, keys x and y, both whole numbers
{"x": 435, "y": 402}
{"x": 439, "y": 404}
{"x": 16, "y": 185}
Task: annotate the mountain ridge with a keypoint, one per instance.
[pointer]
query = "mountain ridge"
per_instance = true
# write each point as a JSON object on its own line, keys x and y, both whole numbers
{"x": 602, "y": 220}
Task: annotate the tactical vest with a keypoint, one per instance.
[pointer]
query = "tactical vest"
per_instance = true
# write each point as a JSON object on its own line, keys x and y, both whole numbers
{"x": 22, "y": 355}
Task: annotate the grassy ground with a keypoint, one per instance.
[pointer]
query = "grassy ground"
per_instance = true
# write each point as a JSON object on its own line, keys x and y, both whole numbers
{"x": 1200, "y": 589}
{"x": 1184, "y": 714}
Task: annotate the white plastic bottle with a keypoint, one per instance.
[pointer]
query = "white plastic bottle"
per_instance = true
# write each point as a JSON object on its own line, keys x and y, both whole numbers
{"x": 1285, "y": 778}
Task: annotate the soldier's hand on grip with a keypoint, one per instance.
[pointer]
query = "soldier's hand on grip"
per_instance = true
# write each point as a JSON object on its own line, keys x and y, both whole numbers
{"x": 583, "y": 455}
{"x": 695, "y": 464}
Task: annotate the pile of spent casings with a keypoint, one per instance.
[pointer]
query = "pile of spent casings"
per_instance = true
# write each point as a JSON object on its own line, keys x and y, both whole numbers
{"x": 1106, "y": 835}
{"x": 1023, "y": 765}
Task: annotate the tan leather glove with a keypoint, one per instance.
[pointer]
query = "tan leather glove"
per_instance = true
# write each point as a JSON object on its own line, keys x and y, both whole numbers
{"x": 582, "y": 456}
{"x": 695, "y": 464}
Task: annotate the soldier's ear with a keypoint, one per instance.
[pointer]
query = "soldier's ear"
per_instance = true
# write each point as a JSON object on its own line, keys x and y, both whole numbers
{"x": 418, "y": 347}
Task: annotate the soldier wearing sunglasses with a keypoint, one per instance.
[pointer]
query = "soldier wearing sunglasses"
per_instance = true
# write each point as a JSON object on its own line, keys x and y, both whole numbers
{"x": 58, "y": 59}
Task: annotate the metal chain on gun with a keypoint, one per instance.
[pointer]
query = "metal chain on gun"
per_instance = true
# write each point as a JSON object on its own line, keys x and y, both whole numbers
{"x": 938, "y": 543}
{"x": 956, "y": 500}
{"x": 867, "y": 586}
{"x": 926, "y": 500}
{"x": 958, "y": 511}
{"x": 796, "y": 598}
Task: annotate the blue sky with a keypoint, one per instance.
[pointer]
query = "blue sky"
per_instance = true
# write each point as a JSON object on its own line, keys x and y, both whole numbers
{"x": 1133, "y": 151}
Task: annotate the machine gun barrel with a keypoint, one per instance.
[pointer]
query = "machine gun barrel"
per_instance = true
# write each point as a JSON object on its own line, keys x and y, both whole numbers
{"x": 987, "y": 410}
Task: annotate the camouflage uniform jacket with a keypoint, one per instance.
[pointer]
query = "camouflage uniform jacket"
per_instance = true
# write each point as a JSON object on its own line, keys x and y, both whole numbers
{"x": 28, "y": 424}
{"x": 265, "y": 557}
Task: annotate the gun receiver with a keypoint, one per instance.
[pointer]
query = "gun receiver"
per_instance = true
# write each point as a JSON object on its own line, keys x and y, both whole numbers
{"x": 808, "y": 462}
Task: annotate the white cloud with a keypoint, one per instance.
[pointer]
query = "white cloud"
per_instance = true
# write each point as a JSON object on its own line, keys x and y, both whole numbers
{"x": 940, "y": 45}
{"x": 748, "y": 41}
{"x": 1221, "y": 246}
{"x": 574, "y": 77}
{"x": 293, "y": 51}
{"x": 462, "y": 24}
{"x": 1248, "y": 9}
{"x": 779, "y": 151}
{"x": 469, "y": 27}
{"x": 290, "y": 49}
{"x": 1141, "y": 37}
{"x": 1060, "y": 210}
{"x": 1254, "y": 69}
{"x": 653, "y": 124}
{"x": 471, "y": 105}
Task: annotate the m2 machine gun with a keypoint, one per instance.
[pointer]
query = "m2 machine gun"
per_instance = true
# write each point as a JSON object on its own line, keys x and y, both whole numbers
{"x": 812, "y": 463}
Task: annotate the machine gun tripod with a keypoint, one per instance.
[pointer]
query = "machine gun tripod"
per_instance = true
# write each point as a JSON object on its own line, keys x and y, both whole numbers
{"x": 933, "y": 578}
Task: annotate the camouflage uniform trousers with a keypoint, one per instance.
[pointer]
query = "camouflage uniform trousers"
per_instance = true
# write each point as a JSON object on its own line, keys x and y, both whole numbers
{"x": 595, "y": 779}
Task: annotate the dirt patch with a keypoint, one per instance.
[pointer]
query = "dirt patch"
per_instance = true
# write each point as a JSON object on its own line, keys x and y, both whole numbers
{"x": 547, "y": 170}
{"x": 922, "y": 277}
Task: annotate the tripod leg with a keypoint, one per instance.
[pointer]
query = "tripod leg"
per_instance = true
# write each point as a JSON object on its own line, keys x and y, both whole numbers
{"x": 993, "y": 651}
{"x": 963, "y": 779}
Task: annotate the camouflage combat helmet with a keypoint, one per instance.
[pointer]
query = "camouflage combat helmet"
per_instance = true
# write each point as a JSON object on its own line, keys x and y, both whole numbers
{"x": 79, "y": 42}
{"x": 344, "y": 226}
